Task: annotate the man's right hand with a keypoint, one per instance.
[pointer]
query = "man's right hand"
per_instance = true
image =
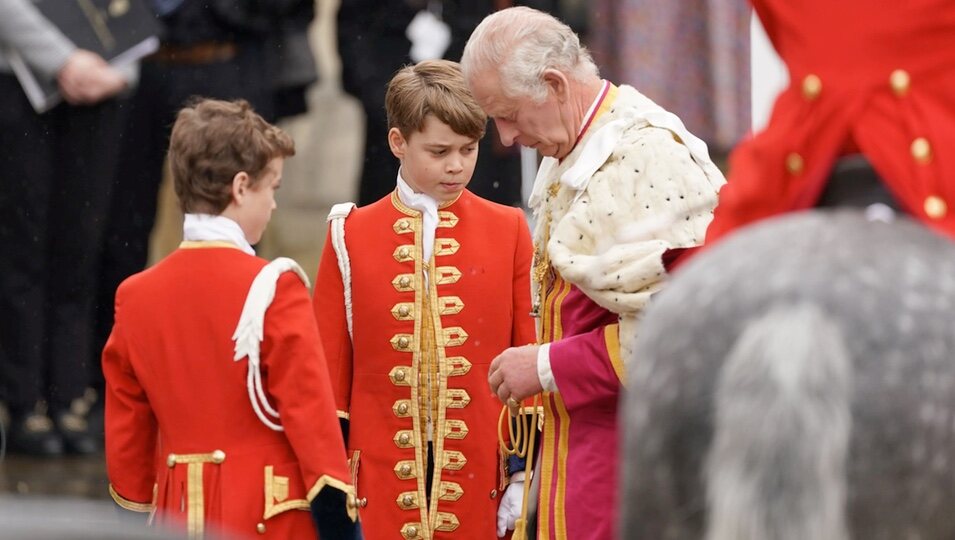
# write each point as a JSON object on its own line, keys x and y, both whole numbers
{"x": 86, "y": 78}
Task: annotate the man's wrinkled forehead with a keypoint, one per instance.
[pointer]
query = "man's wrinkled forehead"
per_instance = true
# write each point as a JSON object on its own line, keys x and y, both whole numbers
{"x": 486, "y": 87}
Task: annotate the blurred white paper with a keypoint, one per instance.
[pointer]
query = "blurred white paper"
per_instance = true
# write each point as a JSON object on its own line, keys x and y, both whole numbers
{"x": 429, "y": 35}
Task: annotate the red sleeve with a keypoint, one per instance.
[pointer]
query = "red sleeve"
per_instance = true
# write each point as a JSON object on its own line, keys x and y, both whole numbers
{"x": 328, "y": 302}
{"x": 524, "y": 331}
{"x": 587, "y": 368}
{"x": 296, "y": 376}
{"x": 131, "y": 427}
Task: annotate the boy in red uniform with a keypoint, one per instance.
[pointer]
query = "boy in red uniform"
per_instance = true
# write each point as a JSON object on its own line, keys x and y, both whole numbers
{"x": 415, "y": 294}
{"x": 241, "y": 417}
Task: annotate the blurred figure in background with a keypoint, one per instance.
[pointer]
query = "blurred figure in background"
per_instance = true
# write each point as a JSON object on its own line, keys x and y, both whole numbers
{"x": 55, "y": 175}
{"x": 691, "y": 57}
{"x": 219, "y": 49}
{"x": 868, "y": 118}
{"x": 373, "y": 41}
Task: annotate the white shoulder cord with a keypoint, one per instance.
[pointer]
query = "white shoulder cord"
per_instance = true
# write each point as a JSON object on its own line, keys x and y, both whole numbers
{"x": 250, "y": 332}
{"x": 336, "y": 220}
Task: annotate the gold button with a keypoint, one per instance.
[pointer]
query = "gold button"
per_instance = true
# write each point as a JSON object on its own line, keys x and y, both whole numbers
{"x": 218, "y": 456}
{"x": 921, "y": 150}
{"x": 400, "y": 375}
{"x": 405, "y": 470}
{"x": 403, "y": 252}
{"x": 407, "y": 500}
{"x": 935, "y": 207}
{"x": 403, "y": 343}
{"x": 404, "y": 311}
{"x": 811, "y": 87}
{"x": 403, "y": 407}
{"x": 404, "y": 438}
{"x": 261, "y": 528}
{"x": 363, "y": 502}
{"x": 171, "y": 460}
{"x": 493, "y": 493}
{"x": 412, "y": 532}
{"x": 404, "y": 282}
{"x": 794, "y": 163}
{"x": 403, "y": 225}
{"x": 899, "y": 80}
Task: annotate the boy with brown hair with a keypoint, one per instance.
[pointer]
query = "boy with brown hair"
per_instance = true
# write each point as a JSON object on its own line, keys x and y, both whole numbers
{"x": 241, "y": 415}
{"x": 415, "y": 294}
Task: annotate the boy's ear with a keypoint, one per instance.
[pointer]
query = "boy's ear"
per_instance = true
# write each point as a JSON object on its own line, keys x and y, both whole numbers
{"x": 240, "y": 186}
{"x": 397, "y": 143}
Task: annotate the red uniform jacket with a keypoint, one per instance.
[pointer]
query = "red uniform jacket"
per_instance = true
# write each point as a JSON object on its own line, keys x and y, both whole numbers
{"x": 181, "y": 434}
{"x": 874, "y": 77}
{"x": 479, "y": 302}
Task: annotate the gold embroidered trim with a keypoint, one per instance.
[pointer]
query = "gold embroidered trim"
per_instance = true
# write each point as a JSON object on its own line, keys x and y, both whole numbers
{"x": 402, "y": 342}
{"x": 455, "y": 429}
{"x": 405, "y": 469}
{"x": 459, "y": 366}
{"x": 402, "y": 408}
{"x": 403, "y": 283}
{"x": 446, "y": 275}
{"x": 612, "y": 341}
{"x": 399, "y": 376}
{"x": 404, "y": 226}
{"x": 127, "y": 504}
{"x": 404, "y": 253}
{"x": 411, "y": 531}
{"x": 195, "y": 513}
{"x": 350, "y": 504}
{"x": 450, "y": 305}
{"x": 404, "y": 311}
{"x": 451, "y": 491}
{"x": 198, "y": 244}
{"x": 276, "y": 489}
{"x": 457, "y": 398}
{"x": 404, "y": 438}
{"x": 454, "y": 336}
{"x": 407, "y": 500}
{"x": 447, "y": 522}
{"x": 447, "y": 220}
{"x": 453, "y": 460}
{"x": 446, "y": 246}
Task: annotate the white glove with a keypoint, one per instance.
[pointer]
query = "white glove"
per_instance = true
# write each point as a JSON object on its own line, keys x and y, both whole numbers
{"x": 511, "y": 504}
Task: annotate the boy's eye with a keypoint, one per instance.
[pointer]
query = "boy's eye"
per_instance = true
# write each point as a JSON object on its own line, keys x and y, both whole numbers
{"x": 439, "y": 152}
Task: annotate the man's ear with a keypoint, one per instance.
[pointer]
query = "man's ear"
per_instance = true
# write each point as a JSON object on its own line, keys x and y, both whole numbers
{"x": 397, "y": 143}
{"x": 240, "y": 186}
{"x": 557, "y": 82}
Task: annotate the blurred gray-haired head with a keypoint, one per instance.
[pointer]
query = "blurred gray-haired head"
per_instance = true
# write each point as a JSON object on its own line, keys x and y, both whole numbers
{"x": 797, "y": 381}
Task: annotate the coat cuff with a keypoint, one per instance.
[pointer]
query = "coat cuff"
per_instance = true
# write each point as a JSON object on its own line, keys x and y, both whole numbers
{"x": 128, "y": 504}
{"x": 544, "y": 372}
{"x": 351, "y": 503}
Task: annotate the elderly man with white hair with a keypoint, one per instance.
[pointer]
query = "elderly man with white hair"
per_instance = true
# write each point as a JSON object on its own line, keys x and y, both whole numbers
{"x": 622, "y": 188}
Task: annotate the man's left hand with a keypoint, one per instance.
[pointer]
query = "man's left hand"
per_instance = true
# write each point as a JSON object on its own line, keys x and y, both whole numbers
{"x": 513, "y": 374}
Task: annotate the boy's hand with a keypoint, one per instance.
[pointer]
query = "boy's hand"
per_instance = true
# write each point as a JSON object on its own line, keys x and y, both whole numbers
{"x": 513, "y": 374}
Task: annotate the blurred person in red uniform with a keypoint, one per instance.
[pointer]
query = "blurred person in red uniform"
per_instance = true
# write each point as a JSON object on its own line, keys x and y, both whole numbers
{"x": 415, "y": 295}
{"x": 182, "y": 438}
{"x": 867, "y": 118}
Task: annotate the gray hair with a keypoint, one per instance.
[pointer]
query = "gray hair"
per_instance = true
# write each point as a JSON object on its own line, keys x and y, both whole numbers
{"x": 520, "y": 43}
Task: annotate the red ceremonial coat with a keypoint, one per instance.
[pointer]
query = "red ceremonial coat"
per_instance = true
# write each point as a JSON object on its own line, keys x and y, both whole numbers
{"x": 872, "y": 77}
{"x": 181, "y": 434}
{"x": 478, "y": 297}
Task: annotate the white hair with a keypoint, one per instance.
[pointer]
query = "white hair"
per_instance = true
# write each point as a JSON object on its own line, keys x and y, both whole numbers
{"x": 520, "y": 43}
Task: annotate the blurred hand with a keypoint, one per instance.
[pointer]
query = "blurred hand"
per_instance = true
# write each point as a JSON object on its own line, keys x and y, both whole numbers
{"x": 513, "y": 374}
{"x": 86, "y": 78}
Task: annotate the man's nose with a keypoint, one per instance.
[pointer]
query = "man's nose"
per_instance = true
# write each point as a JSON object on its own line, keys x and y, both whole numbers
{"x": 507, "y": 132}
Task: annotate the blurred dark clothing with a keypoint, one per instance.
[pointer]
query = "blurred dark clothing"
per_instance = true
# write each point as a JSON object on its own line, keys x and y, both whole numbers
{"x": 55, "y": 176}
{"x": 224, "y": 49}
{"x": 373, "y": 46}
